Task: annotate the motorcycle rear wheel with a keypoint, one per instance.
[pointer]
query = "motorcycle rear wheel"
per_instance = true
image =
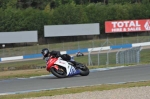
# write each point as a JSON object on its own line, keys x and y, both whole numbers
{"x": 57, "y": 74}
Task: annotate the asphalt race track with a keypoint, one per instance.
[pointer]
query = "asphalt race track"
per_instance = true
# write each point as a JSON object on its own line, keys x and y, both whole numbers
{"x": 106, "y": 76}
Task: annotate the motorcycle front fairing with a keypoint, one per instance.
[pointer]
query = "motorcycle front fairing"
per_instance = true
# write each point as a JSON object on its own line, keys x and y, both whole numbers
{"x": 50, "y": 63}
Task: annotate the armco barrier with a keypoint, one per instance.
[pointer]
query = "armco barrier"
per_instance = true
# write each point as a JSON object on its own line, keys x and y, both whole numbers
{"x": 75, "y": 51}
{"x": 121, "y": 46}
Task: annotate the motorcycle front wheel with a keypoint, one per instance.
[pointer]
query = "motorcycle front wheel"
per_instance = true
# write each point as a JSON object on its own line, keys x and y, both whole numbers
{"x": 59, "y": 73}
{"x": 84, "y": 70}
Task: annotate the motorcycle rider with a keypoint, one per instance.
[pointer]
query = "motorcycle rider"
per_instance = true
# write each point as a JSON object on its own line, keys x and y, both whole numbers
{"x": 47, "y": 54}
{"x": 79, "y": 54}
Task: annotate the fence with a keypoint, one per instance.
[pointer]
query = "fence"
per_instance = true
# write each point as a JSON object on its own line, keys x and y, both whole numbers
{"x": 17, "y": 51}
{"x": 101, "y": 57}
{"x": 113, "y": 57}
{"x": 129, "y": 56}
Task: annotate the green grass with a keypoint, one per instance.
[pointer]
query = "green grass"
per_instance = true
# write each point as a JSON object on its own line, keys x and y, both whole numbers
{"x": 25, "y": 66}
{"x": 38, "y": 62}
{"x": 144, "y": 56}
{"x": 76, "y": 90}
{"x": 29, "y": 73}
{"x": 22, "y": 73}
{"x": 145, "y": 59}
{"x": 7, "y": 52}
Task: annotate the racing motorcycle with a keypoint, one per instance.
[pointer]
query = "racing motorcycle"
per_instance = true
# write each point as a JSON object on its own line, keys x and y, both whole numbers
{"x": 78, "y": 54}
{"x": 62, "y": 69}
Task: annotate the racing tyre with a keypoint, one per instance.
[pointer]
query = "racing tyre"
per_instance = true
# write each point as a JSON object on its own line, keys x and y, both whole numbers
{"x": 84, "y": 70}
{"x": 77, "y": 55}
{"x": 60, "y": 73}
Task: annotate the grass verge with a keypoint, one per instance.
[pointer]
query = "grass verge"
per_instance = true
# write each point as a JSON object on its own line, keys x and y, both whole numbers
{"x": 30, "y": 73}
{"x": 76, "y": 90}
{"x": 144, "y": 58}
{"x": 17, "y": 51}
{"x": 22, "y": 73}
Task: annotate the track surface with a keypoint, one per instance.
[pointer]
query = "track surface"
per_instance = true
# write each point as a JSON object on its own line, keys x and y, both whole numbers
{"x": 120, "y": 75}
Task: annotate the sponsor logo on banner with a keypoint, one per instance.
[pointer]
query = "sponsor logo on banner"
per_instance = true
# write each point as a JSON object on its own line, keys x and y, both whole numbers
{"x": 127, "y": 26}
{"x": 147, "y": 25}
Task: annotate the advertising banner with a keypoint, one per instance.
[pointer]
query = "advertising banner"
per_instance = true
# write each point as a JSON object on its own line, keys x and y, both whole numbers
{"x": 18, "y": 37}
{"x": 127, "y": 26}
{"x": 71, "y": 30}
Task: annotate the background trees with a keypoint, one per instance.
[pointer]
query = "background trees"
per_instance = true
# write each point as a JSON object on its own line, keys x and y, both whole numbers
{"x": 20, "y": 15}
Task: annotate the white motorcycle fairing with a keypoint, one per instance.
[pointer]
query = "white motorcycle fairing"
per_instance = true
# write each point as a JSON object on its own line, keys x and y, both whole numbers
{"x": 69, "y": 69}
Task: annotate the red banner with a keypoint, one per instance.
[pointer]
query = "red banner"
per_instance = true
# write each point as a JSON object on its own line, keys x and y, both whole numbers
{"x": 127, "y": 26}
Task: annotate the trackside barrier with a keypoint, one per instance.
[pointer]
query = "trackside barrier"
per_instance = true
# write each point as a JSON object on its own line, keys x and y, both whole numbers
{"x": 75, "y": 51}
{"x": 121, "y": 46}
{"x": 99, "y": 48}
{"x": 32, "y": 56}
{"x": 37, "y": 55}
{"x": 81, "y": 50}
{"x": 128, "y": 56}
{"x": 12, "y": 58}
{"x": 25, "y": 57}
{"x": 63, "y": 52}
{"x": 141, "y": 44}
